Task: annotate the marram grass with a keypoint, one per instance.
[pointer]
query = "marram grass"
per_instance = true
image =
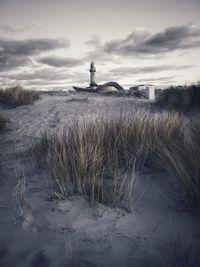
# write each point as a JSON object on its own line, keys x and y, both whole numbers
{"x": 17, "y": 96}
{"x": 101, "y": 156}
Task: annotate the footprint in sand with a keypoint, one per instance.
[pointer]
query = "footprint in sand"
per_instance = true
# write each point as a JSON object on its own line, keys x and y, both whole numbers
{"x": 28, "y": 223}
{"x": 51, "y": 109}
{"x": 39, "y": 259}
{"x": 56, "y": 114}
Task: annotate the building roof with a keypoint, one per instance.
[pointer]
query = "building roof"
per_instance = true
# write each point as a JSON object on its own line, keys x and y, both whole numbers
{"x": 99, "y": 87}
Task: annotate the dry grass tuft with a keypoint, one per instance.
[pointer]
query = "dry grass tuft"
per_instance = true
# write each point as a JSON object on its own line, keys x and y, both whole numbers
{"x": 17, "y": 96}
{"x": 177, "y": 253}
{"x": 181, "y": 157}
{"x": 180, "y": 98}
{"x": 180, "y": 255}
{"x": 101, "y": 156}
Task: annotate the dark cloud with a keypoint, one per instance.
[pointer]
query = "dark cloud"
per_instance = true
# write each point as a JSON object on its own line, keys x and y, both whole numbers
{"x": 8, "y": 62}
{"x": 142, "y": 42}
{"x": 30, "y": 47}
{"x": 56, "y": 61}
{"x": 15, "y": 53}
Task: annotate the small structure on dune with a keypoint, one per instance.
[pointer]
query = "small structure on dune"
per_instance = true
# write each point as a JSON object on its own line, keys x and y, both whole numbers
{"x": 148, "y": 90}
{"x": 99, "y": 88}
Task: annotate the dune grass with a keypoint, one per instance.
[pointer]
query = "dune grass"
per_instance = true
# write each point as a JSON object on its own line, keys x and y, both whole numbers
{"x": 3, "y": 122}
{"x": 182, "y": 158}
{"x": 180, "y": 98}
{"x": 17, "y": 96}
{"x": 178, "y": 254}
{"x": 101, "y": 156}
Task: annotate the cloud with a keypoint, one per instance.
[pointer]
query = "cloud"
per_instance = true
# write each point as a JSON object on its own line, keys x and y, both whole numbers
{"x": 56, "y": 61}
{"x": 144, "y": 43}
{"x": 158, "y": 79}
{"x": 94, "y": 42}
{"x": 150, "y": 69}
{"x": 8, "y": 62}
{"x": 30, "y": 47}
{"x": 10, "y": 29}
{"x": 44, "y": 83}
{"x": 16, "y": 53}
{"x": 97, "y": 52}
{"x": 44, "y": 74}
{"x": 46, "y": 78}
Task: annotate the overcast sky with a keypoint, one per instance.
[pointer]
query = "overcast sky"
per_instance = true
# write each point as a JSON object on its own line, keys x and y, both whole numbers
{"x": 48, "y": 44}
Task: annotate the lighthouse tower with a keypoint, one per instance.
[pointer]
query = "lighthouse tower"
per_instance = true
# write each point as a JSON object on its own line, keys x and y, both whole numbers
{"x": 92, "y": 75}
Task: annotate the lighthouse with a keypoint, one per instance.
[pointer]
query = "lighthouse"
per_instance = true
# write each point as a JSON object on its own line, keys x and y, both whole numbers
{"x": 94, "y": 87}
{"x": 92, "y": 75}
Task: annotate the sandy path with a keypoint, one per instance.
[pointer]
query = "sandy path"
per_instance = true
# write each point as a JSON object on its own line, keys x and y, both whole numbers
{"x": 71, "y": 233}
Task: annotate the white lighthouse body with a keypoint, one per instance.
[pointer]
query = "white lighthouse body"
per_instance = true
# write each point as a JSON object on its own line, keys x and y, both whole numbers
{"x": 92, "y": 75}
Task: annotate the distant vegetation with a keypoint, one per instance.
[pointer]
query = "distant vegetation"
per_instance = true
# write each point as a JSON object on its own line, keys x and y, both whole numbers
{"x": 17, "y": 96}
{"x": 94, "y": 155}
{"x": 128, "y": 93}
{"x": 180, "y": 98}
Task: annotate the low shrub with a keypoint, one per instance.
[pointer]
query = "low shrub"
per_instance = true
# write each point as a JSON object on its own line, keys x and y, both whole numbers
{"x": 135, "y": 92}
{"x": 128, "y": 93}
{"x": 180, "y": 98}
{"x": 17, "y": 96}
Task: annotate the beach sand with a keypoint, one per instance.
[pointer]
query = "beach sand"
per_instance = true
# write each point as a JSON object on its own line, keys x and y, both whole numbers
{"x": 71, "y": 232}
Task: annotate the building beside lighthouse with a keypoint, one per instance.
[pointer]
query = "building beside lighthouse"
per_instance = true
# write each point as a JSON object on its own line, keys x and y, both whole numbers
{"x": 148, "y": 89}
{"x": 98, "y": 88}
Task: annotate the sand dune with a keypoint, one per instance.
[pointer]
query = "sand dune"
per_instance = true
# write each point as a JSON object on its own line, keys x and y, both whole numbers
{"x": 70, "y": 232}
